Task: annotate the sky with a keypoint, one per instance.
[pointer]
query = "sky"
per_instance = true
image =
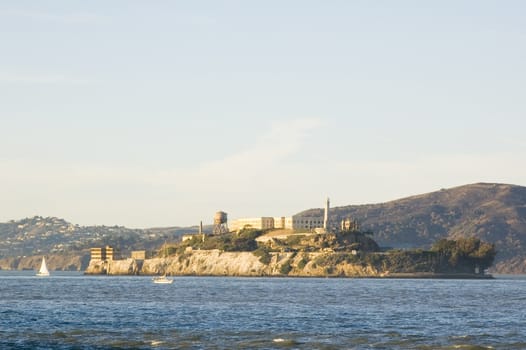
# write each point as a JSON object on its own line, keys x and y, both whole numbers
{"x": 160, "y": 113}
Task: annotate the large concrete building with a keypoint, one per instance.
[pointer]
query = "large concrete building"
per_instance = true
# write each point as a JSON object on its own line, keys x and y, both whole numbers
{"x": 307, "y": 222}
{"x": 294, "y": 222}
{"x": 262, "y": 223}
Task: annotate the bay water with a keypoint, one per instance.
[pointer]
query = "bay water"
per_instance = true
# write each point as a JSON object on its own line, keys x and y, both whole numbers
{"x": 73, "y": 311}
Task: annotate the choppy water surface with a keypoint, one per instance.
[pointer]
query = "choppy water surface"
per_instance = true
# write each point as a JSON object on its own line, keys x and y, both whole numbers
{"x": 71, "y": 311}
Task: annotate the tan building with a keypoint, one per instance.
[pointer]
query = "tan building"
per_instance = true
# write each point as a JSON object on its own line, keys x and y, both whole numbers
{"x": 280, "y": 222}
{"x": 310, "y": 223}
{"x": 265, "y": 223}
{"x": 262, "y": 223}
{"x": 96, "y": 254}
{"x": 102, "y": 254}
{"x": 138, "y": 254}
{"x": 288, "y": 223}
{"x": 307, "y": 222}
{"x": 349, "y": 224}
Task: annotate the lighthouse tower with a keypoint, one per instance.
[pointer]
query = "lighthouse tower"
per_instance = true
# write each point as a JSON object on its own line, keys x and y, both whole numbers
{"x": 326, "y": 215}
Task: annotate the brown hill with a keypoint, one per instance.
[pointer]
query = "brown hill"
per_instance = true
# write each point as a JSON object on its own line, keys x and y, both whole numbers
{"x": 494, "y": 213}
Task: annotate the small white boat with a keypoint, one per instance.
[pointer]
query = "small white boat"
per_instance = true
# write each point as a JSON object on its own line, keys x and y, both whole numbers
{"x": 162, "y": 279}
{"x": 43, "y": 272}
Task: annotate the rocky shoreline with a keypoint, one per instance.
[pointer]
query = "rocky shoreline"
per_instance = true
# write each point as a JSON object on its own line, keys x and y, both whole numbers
{"x": 246, "y": 264}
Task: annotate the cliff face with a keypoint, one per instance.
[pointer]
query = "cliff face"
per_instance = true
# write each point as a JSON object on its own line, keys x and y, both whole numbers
{"x": 212, "y": 262}
{"x": 216, "y": 263}
{"x": 54, "y": 262}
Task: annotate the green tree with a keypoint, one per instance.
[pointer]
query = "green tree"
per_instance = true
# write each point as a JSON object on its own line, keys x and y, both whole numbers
{"x": 263, "y": 253}
{"x": 465, "y": 254}
{"x": 285, "y": 268}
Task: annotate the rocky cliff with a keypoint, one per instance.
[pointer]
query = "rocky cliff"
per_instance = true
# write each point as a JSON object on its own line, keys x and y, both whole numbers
{"x": 217, "y": 263}
{"x": 54, "y": 262}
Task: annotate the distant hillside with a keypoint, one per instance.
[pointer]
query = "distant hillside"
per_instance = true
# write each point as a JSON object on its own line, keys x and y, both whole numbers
{"x": 57, "y": 238}
{"x": 495, "y": 213}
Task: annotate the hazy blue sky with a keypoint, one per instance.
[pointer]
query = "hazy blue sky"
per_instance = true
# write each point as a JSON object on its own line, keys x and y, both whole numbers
{"x": 159, "y": 113}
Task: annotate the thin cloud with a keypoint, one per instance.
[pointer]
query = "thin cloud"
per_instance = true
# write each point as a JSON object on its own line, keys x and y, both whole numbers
{"x": 282, "y": 140}
{"x": 233, "y": 179}
{"x": 240, "y": 183}
{"x": 242, "y": 169}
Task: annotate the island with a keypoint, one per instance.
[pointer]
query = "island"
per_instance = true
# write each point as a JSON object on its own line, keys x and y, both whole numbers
{"x": 349, "y": 252}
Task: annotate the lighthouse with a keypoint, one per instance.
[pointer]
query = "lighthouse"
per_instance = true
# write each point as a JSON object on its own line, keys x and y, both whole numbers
{"x": 326, "y": 216}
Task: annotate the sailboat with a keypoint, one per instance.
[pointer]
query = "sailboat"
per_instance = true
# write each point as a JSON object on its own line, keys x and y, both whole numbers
{"x": 43, "y": 272}
{"x": 163, "y": 279}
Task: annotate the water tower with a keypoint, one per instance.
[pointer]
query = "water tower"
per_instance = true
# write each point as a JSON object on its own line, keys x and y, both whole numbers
{"x": 220, "y": 223}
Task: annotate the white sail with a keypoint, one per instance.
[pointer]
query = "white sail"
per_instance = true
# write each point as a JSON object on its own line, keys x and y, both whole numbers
{"x": 43, "y": 268}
